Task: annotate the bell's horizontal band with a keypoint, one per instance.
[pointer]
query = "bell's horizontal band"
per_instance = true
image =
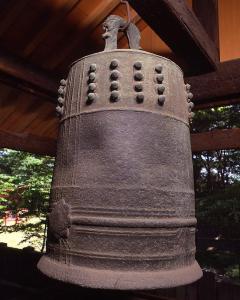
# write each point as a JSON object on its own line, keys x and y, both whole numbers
{"x": 128, "y": 257}
{"x": 132, "y": 222}
{"x": 120, "y": 109}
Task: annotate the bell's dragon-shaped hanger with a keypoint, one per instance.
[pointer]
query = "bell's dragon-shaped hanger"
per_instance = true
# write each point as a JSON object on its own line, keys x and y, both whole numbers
{"x": 114, "y": 24}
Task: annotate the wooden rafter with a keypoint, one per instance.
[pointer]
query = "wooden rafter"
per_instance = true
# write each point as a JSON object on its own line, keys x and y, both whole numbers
{"x": 181, "y": 30}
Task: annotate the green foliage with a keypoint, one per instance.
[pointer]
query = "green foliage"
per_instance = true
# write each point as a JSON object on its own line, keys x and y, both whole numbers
{"x": 217, "y": 188}
{"x": 221, "y": 210}
{"x": 25, "y": 181}
{"x": 224, "y": 262}
{"x": 215, "y": 170}
{"x": 216, "y": 118}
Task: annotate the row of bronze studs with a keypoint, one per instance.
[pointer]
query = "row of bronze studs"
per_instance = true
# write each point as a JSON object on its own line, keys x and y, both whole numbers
{"x": 91, "y": 84}
{"x": 114, "y": 87}
{"x": 190, "y": 103}
{"x": 138, "y": 76}
{"x": 160, "y": 87}
{"x": 61, "y": 97}
{"x": 114, "y": 77}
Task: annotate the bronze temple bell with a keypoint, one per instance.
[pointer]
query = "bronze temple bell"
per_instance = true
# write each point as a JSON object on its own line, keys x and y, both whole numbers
{"x": 122, "y": 210}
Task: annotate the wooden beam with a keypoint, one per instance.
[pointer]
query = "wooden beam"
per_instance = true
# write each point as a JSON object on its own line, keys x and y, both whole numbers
{"x": 206, "y": 141}
{"x": 181, "y": 30}
{"x": 217, "y": 88}
{"x": 221, "y": 87}
{"x": 218, "y": 139}
{"x": 207, "y": 13}
{"x": 19, "y": 73}
{"x": 217, "y": 103}
{"x": 27, "y": 142}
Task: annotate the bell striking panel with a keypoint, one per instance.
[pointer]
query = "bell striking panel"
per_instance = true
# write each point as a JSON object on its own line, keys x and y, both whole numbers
{"x": 122, "y": 210}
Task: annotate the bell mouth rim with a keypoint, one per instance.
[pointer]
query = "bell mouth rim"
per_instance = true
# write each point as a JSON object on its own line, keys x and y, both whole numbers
{"x": 126, "y": 50}
{"x": 118, "y": 279}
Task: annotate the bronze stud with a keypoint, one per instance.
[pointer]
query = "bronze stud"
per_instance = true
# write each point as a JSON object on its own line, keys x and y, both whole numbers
{"x": 114, "y": 86}
{"x": 138, "y": 76}
{"x": 63, "y": 82}
{"x": 61, "y": 91}
{"x": 91, "y": 97}
{"x": 114, "y": 75}
{"x": 138, "y": 65}
{"x": 59, "y": 110}
{"x": 159, "y": 78}
{"x": 114, "y": 97}
{"x": 140, "y": 98}
{"x": 138, "y": 87}
{"x": 190, "y": 96}
{"x": 60, "y": 100}
{"x": 191, "y": 105}
{"x": 158, "y": 68}
{"x": 92, "y": 87}
{"x": 160, "y": 89}
{"x": 188, "y": 87}
{"x": 114, "y": 64}
{"x": 161, "y": 100}
{"x": 92, "y": 76}
{"x": 93, "y": 68}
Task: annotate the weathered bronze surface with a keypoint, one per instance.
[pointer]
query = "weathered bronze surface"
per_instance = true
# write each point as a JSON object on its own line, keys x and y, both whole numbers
{"x": 122, "y": 199}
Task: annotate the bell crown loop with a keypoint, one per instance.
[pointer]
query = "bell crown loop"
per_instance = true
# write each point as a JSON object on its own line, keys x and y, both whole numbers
{"x": 128, "y": 13}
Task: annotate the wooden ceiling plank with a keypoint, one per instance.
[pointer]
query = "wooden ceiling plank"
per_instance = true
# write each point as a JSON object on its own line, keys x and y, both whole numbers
{"x": 26, "y": 24}
{"x": 50, "y": 126}
{"x": 207, "y": 13}
{"x": 180, "y": 29}
{"x": 8, "y": 105}
{"x": 42, "y": 123}
{"x": 10, "y": 14}
{"x": 96, "y": 17}
{"x": 95, "y": 43}
{"x": 52, "y": 130}
{"x": 25, "y": 112}
{"x": 36, "y": 115}
{"x": 53, "y": 22}
{"x": 219, "y": 139}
